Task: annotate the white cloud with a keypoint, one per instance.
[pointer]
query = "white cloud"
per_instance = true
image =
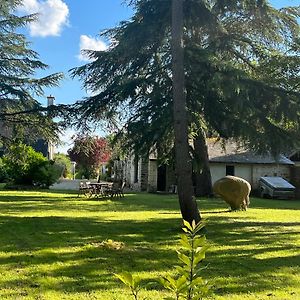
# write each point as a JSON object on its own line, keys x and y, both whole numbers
{"x": 90, "y": 43}
{"x": 52, "y": 16}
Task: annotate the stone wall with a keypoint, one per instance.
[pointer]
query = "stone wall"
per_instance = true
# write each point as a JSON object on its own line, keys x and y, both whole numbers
{"x": 143, "y": 164}
{"x": 152, "y": 175}
{"x": 283, "y": 171}
{"x": 129, "y": 174}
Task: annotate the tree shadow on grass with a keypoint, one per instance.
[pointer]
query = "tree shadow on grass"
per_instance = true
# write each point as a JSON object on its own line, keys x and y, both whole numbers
{"x": 291, "y": 204}
{"x": 77, "y": 261}
{"x": 250, "y": 254}
{"x": 131, "y": 202}
{"x": 85, "y": 265}
{"x": 72, "y": 247}
{"x": 216, "y": 212}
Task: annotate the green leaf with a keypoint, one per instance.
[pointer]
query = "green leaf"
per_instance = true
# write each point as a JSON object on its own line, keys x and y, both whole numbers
{"x": 171, "y": 280}
{"x": 198, "y": 227}
{"x": 181, "y": 283}
{"x": 194, "y": 224}
{"x": 185, "y": 230}
{"x": 185, "y": 259}
{"x": 198, "y": 270}
{"x": 126, "y": 278}
{"x": 183, "y": 268}
{"x": 199, "y": 281}
{"x": 200, "y": 255}
{"x": 201, "y": 249}
{"x": 187, "y": 225}
{"x": 185, "y": 242}
{"x": 199, "y": 241}
{"x": 198, "y": 297}
{"x": 165, "y": 283}
{"x": 136, "y": 280}
{"x": 168, "y": 282}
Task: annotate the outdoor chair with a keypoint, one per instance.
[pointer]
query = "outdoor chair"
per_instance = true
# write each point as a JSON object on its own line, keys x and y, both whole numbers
{"x": 84, "y": 188}
{"x": 117, "y": 189}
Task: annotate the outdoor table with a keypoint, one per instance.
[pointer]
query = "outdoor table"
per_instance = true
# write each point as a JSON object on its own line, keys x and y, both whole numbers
{"x": 99, "y": 189}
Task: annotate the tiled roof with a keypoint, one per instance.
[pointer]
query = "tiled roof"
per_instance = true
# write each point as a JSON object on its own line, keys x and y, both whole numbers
{"x": 231, "y": 152}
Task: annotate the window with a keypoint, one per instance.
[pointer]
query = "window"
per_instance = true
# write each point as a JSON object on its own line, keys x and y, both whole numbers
{"x": 230, "y": 170}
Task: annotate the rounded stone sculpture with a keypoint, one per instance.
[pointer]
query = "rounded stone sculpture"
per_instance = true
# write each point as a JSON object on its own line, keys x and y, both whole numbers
{"x": 233, "y": 190}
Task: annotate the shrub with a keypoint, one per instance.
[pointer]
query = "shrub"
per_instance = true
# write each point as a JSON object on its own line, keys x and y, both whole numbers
{"x": 65, "y": 162}
{"x": 46, "y": 174}
{"x": 26, "y": 166}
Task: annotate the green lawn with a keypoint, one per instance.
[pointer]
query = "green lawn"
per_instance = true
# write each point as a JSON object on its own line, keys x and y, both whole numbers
{"x": 51, "y": 246}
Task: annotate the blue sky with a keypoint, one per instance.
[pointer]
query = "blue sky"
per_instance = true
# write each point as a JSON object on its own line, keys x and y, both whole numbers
{"x": 79, "y": 23}
{"x": 66, "y": 26}
{"x": 63, "y": 28}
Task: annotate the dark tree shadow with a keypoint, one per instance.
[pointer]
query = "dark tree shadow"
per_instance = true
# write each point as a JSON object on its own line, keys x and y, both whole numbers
{"x": 86, "y": 264}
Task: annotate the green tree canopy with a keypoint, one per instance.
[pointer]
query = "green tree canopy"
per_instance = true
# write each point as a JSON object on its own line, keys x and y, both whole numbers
{"x": 89, "y": 152}
{"x": 20, "y": 111}
{"x": 241, "y": 66}
{"x": 232, "y": 50}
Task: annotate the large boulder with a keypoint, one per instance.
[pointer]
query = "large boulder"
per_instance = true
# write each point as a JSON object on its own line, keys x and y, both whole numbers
{"x": 234, "y": 191}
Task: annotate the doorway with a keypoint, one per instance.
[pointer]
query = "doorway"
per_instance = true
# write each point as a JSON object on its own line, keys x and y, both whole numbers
{"x": 161, "y": 178}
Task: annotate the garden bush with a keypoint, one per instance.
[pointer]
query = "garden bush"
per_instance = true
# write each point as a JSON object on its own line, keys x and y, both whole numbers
{"x": 65, "y": 162}
{"x": 46, "y": 174}
{"x": 26, "y": 166}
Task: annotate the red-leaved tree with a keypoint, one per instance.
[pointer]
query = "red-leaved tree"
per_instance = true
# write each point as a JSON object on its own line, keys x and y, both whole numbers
{"x": 89, "y": 153}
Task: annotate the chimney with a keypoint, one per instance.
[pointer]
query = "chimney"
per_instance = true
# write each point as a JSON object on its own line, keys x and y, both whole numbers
{"x": 50, "y": 100}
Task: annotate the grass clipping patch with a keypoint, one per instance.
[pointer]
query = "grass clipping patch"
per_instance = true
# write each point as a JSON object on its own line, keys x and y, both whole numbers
{"x": 109, "y": 244}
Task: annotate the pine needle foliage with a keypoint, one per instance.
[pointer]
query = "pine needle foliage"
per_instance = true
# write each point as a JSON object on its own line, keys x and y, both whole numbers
{"x": 241, "y": 66}
{"x": 20, "y": 111}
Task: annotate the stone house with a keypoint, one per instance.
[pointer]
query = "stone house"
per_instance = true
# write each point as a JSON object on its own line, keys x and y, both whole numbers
{"x": 224, "y": 159}
{"x": 143, "y": 174}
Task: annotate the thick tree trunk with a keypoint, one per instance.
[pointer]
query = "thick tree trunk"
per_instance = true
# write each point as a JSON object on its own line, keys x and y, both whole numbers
{"x": 183, "y": 161}
{"x": 202, "y": 172}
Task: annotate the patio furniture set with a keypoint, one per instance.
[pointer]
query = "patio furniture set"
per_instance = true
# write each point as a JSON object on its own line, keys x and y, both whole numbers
{"x": 101, "y": 189}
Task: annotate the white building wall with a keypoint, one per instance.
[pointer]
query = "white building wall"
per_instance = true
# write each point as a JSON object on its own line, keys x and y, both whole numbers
{"x": 128, "y": 170}
{"x": 51, "y": 150}
{"x": 131, "y": 162}
{"x": 138, "y": 184}
{"x": 244, "y": 171}
{"x": 270, "y": 170}
{"x": 251, "y": 173}
{"x": 217, "y": 171}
